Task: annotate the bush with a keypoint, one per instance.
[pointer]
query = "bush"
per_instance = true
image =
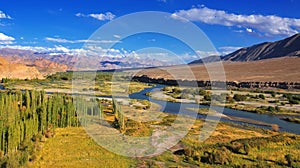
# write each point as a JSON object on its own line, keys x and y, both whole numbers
{"x": 289, "y": 159}
{"x": 293, "y": 101}
{"x": 238, "y": 97}
{"x": 261, "y": 96}
{"x": 273, "y": 94}
{"x": 271, "y": 108}
{"x": 207, "y": 97}
{"x": 202, "y": 92}
{"x": 176, "y": 90}
{"x": 236, "y": 147}
{"x": 247, "y": 148}
{"x": 220, "y": 156}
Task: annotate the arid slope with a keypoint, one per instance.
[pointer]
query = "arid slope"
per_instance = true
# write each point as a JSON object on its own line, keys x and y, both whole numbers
{"x": 284, "y": 69}
{"x": 10, "y": 70}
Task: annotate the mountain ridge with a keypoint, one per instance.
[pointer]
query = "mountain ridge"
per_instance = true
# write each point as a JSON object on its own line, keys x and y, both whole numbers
{"x": 286, "y": 47}
{"x": 17, "y": 71}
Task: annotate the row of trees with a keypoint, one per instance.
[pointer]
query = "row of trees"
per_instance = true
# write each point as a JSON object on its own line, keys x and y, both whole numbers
{"x": 23, "y": 115}
{"x": 119, "y": 121}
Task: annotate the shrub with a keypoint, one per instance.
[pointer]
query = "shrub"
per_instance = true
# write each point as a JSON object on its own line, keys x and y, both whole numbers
{"x": 289, "y": 159}
{"x": 238, "y": 97}
{"x": 273, "y": 94}
{"x": 207, "y": 97}
{"x": 247, "y": 148}
{"x": 261, "y": 96}
{"x": 236, "y": 147}
{"x": 271, "y": 108}
{"x": 293, "y": 101}
{"x": 220, "y": 156}
{"x": 202, "y": 92}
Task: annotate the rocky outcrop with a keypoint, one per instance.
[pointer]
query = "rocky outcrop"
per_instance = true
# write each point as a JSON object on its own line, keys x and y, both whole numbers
{"x": 44, "y": 66}
{"x": 228, "y": 84}
{"x": 18, "y": 71}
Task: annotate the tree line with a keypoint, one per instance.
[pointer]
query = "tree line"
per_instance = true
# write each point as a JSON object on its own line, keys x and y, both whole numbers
{"x": 26, "y": 114}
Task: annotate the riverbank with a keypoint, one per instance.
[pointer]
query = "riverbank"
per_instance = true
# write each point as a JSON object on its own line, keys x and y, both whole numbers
{"x": 206, "y": 112}
{"x": 280, "y": 105}
{"x": 222, "y": 84}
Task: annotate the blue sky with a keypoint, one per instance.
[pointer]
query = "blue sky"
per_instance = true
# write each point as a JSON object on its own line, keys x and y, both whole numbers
{"x": 64, "y": 25}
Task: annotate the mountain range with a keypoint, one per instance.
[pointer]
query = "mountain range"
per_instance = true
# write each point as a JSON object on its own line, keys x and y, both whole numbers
{"x": 20, "y": 71}
{"x": 286, "y": 47}
{"x": 42, "y": 64}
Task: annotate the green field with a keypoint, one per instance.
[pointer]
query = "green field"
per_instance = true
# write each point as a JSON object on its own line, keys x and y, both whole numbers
{"x": 72, "y": 147}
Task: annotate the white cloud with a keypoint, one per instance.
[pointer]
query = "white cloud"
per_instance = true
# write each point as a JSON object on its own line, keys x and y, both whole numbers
{"x": 62, "y": 49}
{"x": 4, "y": 16}
{"x": 117, "y": 36}
{"x": 4, "y": 39}
{"x": 151, "y": 58}
{"x": 249, "y": 30}
{"x": 79, "y": 15}
{"x": 266, "y": 24}
{"x": 99, "y": 16}
{"x": 228, "y": 49}
{"x": 203, "y": 54}
{"x": 60, "y": 40}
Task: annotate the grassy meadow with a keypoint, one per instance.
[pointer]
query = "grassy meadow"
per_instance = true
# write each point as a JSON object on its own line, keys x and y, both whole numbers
{"x": 72, "y": 147}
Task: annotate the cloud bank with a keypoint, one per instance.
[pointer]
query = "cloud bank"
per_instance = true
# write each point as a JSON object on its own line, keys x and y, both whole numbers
{"x": 4, "y": 39}
{"x": 61, "y": 40}
{"x": 268, "y": 25}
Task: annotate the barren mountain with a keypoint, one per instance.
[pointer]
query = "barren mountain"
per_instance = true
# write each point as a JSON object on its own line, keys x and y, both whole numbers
{"x": 285, "y": 69}
{"x": 11, "y": 70}
{"x": 44, "y": 66}
{"x": 33, "y": 59}
{"x": 206, "y": 60}
{"x": 79, "y": 62}
{"x": 286, "y": 47}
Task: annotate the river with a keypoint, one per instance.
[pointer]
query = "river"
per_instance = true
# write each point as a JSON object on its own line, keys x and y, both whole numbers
{"x": 174, "y": 107}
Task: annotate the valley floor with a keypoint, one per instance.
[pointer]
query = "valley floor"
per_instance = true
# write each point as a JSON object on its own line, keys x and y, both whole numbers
{"x": 72, "y": 147}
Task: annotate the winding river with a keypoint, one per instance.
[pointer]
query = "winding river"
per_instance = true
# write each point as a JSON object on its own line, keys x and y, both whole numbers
{"x": 173, "y": 107}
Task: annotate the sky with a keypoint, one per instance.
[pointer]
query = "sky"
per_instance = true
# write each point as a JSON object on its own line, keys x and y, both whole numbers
{"x": 64, "y": 26}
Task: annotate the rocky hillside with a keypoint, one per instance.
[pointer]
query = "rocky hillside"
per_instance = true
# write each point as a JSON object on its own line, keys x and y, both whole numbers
{"x": 44, "y": 66}
{"x": 206, "y": 60}
{"x": 11, "y": 70}
{"x": 76, "y": 62}
{"x": 286, "y": 47}
{"x": 29, "y": 58}
{"x": 285, "y": 69}
{"x": 282, "y": 48}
